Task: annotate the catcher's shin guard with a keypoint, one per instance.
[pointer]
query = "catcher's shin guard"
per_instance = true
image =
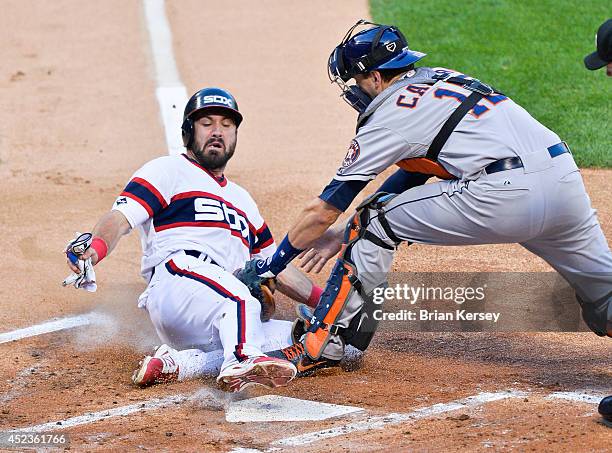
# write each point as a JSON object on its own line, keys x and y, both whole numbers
{"x": 363, "y": 325}
{"x": 302, "y": 323}
{"x": 342, "y": 284}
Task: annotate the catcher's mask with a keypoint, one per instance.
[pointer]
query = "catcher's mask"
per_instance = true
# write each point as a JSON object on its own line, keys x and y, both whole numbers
{"x": 208, "y": 98}
{"x": 377, "y": 47}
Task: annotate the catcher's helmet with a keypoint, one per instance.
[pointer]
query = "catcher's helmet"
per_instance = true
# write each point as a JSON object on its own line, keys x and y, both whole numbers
{"x": 378, "y": 47}
{"x": 208, "y": 98}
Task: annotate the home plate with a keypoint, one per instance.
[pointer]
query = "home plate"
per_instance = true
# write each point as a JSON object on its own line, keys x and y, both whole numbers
{"x": 273, "y": 408}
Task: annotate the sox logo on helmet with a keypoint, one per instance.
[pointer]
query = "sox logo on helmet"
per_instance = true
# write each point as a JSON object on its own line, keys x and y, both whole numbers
{"x": 208, "y": 98}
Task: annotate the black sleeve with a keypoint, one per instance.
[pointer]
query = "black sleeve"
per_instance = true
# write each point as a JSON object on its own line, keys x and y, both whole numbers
{"x": 402, "y": 180}
{"x": 340, "y": 194}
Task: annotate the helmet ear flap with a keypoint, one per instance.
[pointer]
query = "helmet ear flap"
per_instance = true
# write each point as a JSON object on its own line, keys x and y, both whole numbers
{"x": 187, "y": 132}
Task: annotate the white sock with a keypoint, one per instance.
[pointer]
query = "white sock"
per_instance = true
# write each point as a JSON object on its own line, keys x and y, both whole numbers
{"x": 194, "y": 363}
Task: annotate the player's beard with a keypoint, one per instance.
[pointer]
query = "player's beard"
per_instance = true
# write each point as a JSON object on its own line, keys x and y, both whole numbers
{"x": 214, "y": 159}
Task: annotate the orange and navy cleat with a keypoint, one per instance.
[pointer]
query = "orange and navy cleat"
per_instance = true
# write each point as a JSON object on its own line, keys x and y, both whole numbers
{"x": 305, "y": 365}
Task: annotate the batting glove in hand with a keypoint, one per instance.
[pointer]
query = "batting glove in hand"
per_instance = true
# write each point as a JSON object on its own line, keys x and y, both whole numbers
{"x": 86, "y": 278}
{"x": 261, "y": 288}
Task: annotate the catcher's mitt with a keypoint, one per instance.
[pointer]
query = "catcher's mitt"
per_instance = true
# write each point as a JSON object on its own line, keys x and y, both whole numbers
{"x": 260, "y": 288}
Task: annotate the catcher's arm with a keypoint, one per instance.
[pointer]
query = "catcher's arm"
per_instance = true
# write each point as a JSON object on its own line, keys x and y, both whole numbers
{"x": 321, "y": 250}
{"x": 110, "y": 228}
{"x": 294, "y": 284}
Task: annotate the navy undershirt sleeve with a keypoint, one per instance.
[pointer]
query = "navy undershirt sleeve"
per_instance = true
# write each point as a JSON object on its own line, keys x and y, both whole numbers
{"x": 402, "y": 180}
{"x": 340, "y": 194}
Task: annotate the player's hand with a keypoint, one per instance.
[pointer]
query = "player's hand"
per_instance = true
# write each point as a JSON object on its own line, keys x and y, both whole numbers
{"x": 80, "y": 256}
{"x": 79, "y": 249}
{"x": 91, "y": 253}
{"x": 252, "y": 273}
{"x": 321, "y": 251}
{"x": 261, "y": 288}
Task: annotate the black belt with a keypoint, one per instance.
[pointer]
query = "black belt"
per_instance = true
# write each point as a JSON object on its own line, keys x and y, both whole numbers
{"x": 196, "y": 254}
{"x": 511, "y": 163}
{"x": 200, "y": 255}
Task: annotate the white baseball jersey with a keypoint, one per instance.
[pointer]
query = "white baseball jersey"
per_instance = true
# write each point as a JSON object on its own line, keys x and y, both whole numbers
{"x": 410, "y": 113}
{"x": 176, "y": 204}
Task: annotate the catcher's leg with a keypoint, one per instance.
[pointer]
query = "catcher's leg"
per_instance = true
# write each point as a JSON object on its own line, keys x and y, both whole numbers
{"x": 446, "y": 212}
{"x": 585, "y": 261}
{"x": 343, "y": 315}
{"x": 573, "y": 243}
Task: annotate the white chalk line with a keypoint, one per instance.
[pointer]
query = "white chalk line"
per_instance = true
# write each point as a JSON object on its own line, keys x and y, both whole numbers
{"x": 166, "y": 71}
{"x": 171, "y": 93}
{"x": 92, "y": 417}
{"x": 371, "y": 422}
{"x": 46, "y": 327}
{"x": 378, "y": 422}
{"x": 382, "y": 421}
{"x": 580, "y": 396}
{"x": 172, "y": 97}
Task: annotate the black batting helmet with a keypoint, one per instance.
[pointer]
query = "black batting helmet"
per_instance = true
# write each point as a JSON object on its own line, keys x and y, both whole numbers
{"x": 208, "y": 98}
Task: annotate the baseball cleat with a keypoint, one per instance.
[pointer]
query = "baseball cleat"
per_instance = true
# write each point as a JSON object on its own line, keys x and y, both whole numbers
{"x": 270, "y": 372}
{"x": 157, "y": 369}
{"x": 304, "y": 364}
{"x": 605, "y": 408}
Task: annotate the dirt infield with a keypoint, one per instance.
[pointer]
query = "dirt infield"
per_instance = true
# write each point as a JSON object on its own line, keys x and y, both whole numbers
{"x": 79, "y": 115}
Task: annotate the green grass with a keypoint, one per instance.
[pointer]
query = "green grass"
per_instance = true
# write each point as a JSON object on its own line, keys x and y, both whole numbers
{"x": 530, "y": 50}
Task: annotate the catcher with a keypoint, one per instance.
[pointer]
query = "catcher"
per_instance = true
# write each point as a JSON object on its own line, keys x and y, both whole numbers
{"x": 504, "y": 178}
{"x": 197, "y": 227}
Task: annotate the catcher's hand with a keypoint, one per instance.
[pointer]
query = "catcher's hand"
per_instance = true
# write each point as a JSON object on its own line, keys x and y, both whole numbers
{"x": 260, "y": 288}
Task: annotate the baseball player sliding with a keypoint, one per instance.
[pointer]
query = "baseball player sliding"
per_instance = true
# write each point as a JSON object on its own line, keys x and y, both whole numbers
{"x": 505, "y": 178}
{"x": 197, "y": 227}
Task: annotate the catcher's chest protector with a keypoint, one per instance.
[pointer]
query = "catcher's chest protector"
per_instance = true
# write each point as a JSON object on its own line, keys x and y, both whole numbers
{"x": 425, "y": 166}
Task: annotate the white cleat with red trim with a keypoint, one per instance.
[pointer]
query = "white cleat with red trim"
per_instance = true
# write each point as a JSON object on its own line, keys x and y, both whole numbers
{"x": 157, "y": 369}
{"x": 263, "y": 370}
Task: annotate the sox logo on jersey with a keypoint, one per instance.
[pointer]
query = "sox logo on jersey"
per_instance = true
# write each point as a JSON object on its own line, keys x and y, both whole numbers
{"x": 179, "y": 205}
{"x": 209, "y": 210}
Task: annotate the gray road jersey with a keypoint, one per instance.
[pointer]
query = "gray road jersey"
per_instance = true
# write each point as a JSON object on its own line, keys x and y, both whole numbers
{"x": 403, "y": 120}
